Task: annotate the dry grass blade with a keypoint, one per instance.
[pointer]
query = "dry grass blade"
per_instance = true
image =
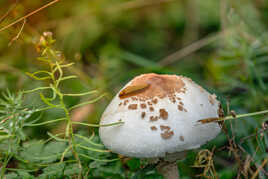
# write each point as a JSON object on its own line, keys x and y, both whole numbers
{"x": 208, "y": 120}
{"x": 192, "y": 48}
{"x": 205, "y": 160}
{"x": 259, "y": 168}
{"x": 8, "y": 11}
{"x": 139, "y": 4}
{"x": 18, "y": 35}
{"x": 28, "y": 15}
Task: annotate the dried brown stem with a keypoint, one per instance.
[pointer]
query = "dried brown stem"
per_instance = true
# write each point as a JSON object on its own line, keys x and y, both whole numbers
{"x": 28, "y": 15}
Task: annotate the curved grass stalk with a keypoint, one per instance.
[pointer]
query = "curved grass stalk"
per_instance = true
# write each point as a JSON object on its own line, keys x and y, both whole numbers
{"x": 56, "y": 163}
{"x": 47, "y": 108}
{"x": 87, "y": 102}
{"x": 34, "y": 121}
{"x": 68, "y": 77}
{"x": 46, "y": 100}
{"x": 64, "y": 152}
{"x": 99, "y": 160}
{"x": 92, "y": 149}
{"x": 38, "y": 78}
{"x": 36, "y": 89}
{"x": 56, "y": 138}
{"x": 50, "y": 138}
{"x": 208, "y": 120}
{"x": 246, "y": 115}
{"x": 47, "y": 122}
{"x": 47, "y": 157}
{"x": 66, "y": 65}
{"x": 98, "y": 125}
{"x": 89, "y": 140}
{"x": 81, "y": 94}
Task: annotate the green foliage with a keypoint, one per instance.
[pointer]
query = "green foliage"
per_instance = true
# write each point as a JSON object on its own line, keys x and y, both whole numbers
{"x": 53, "y": 155}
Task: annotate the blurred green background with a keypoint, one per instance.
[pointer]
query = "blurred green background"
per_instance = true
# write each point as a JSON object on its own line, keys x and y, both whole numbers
{"x": 220, "y": 44}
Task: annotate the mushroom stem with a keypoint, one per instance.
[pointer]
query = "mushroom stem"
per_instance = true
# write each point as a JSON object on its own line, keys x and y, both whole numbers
{"x": 169, "y": 170}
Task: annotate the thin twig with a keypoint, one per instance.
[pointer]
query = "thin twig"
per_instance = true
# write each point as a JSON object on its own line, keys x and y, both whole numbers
{"x": 217, "y": 119}
{"x": 259, "y": 168}
{"x": 192, "y": 48}
{"x": 18, "y": 35}
{"x": 8, "y": 11}
{"x": 28, "y": 15}
{"x": 139, "y": 4}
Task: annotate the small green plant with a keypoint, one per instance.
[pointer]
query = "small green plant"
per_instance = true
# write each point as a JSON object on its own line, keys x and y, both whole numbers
{"x": 67, "y": 147}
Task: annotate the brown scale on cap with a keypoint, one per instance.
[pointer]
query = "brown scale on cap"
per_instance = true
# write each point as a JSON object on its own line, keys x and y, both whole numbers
{"x": 155, "y": 100}
{"x": 148, "y": 86}
{"x": 143, "y": 115}
{"x": 143, "y": 105}
{"x": 133, "y": 106}
{"x": 149, "y": 103}
{"x": 163, "y": 114}
{"x": 167, "y": 134}
{"x": 120, "y": 104}
{"x": 153, "y": 128}
{"x": 153, "y": 118}
{"x": 172, "y": 99}
{"x": 151, "y": 109}
{"x": 181, "y": 103}
{"x": 180, "y": 107}
{"x": 162, "y": 127}
{"x": 125, "y": 102}
{"x": 134, "y": 98}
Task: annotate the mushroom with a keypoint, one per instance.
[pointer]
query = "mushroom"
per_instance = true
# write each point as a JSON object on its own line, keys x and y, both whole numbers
{"x": 160, "y": 115}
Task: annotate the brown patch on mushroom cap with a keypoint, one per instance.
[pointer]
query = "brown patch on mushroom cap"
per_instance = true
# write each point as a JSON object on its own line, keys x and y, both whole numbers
{"x": 153, "y": 118}
{"x": 134, "y": 98}
{"x": 172, "y": 98}
{"x": 167, "y": 134}
{"x": 180, "y": 107}
{"x": 181, "y": 138}
{"x": 181, "y": 103}
{"x": 133, "y": 106}
{"x": 154, "y": 85}
{"x": 143, "y": 115}
{"x": 151, "y": 109}
{"x": 155, "y": 100}
{"x": 162, "y": 127}
{"x": 163, "y": 114}
{"x": 125, "y": 102}
{"x": 120, "y": 104}
{"x": 132, "y": 90}
{"x": 153, "y": 128}
{"x": 212, "y": 99}
{"x": 143, "y": 105}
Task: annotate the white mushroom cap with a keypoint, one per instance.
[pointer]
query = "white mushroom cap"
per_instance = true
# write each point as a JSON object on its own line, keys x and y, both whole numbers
{"x": 160, "y": 115}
